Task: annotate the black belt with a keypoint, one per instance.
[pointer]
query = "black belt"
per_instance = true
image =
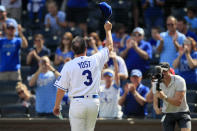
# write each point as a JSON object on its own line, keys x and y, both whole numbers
{"x": 187, "y": 112}
{"x": 87, "y": 96}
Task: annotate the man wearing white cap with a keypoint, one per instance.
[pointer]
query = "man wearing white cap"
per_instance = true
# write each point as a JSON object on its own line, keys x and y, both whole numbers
{"x": 137, "y": 51}
{"x": 133, "y": 98}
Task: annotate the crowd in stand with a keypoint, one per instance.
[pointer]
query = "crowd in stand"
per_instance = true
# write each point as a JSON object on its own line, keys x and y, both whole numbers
{"x": 163, "y": 34}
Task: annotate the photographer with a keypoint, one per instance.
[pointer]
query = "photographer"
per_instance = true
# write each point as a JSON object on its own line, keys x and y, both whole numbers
{"x": 43, "y": 80}
{"x": 173, "y": 93}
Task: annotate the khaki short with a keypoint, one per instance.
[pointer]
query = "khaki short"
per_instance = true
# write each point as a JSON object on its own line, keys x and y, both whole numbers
{"x": 11, "y": 75}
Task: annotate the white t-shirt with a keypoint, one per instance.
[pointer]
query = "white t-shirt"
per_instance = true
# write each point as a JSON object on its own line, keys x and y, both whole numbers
{"x": 82, "y": 75}
{"x": 109, "y": 107}
{"x": 177, "y": 84}
{"x": 122, "y": 68}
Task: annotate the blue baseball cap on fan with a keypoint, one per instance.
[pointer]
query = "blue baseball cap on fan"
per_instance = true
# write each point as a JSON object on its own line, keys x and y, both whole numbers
{"x": 108, "y": 72}
{"x": 106, "y": 10}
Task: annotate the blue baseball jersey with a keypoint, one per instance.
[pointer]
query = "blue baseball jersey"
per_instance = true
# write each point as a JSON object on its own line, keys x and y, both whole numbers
{"x": 135, "y": 61}
{"x": 10, "y": 54}
{"x": 132, "y": 107}
{"x": 190, "y": 75}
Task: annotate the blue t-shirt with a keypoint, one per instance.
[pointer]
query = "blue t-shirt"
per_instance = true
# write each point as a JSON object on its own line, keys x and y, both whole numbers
{"x": 10, "y": 54}
{"x": 132, "y": 107}
{"x": 135, "y": 61}
{"x": 190, "y": 75}
{"x": 192, "y": 22}
{"x": 45, "y": 92}
{"x": 53, "y": 24}
{"x": 69, "y": 54}
{"x": 77, "y": 3}
{"x": 153, "y": 9}
{"x": 169, "y": 52}
{"x": 191, "y": 34}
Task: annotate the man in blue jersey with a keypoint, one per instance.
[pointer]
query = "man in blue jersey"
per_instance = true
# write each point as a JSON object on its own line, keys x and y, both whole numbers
{"x": 133, "y": 98}
{"x": 10, "y": 52}
{"x": 137, "y": 52}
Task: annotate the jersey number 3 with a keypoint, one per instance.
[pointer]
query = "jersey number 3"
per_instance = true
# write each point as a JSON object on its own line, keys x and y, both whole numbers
{"x": 89, "y": 77}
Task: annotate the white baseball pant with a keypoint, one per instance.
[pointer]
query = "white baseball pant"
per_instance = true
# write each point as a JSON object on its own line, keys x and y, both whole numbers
{"x": 83, "y": 113}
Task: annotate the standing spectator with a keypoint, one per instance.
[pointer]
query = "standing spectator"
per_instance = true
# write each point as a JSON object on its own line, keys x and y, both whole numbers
{"x": 39, "y": 50}
{"x": 10, "y": 52}
{"x": 191, "y": 17}
{"x": 173, "y": 94}
{"x": 137, "y": 52}
{"x": 26, "y": 98}
{"x": 186, "y": 62}
{"x": 182, "y": 27}
{"x": 110, "y": 94}
{"x": 35, "y": 9}
{"x": 153, "y": 13}
{"x": 169, "y": 41}
{"x": 133, "y": 99}
{"x": 64, "y": 53}
{"x": 4, "y": 19}
{"x": 43, "y": 79}
{"x": 55, "y": 20}
{"x": 13, "y": 8}
{"x": 77, "y": 14}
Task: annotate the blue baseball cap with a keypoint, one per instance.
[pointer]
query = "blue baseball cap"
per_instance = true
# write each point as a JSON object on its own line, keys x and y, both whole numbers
{"x": 10, "y": 23}
{"x": 106, "y": 10}
{"x": 136, "y": 72}
{"x": 108, "y": 72}
{"x": 2, "y": 8}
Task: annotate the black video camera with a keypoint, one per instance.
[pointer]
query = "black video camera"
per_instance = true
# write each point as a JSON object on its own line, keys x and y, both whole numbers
{"x": 157, "y": 73}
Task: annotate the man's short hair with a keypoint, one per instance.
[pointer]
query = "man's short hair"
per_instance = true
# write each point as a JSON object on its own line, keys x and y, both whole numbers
{"x": 182, "y": 19}
{"x": 79, "y": 45}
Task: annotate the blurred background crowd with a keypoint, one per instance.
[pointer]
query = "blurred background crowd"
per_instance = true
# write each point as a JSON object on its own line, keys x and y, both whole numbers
{"x": 35, "y": 43}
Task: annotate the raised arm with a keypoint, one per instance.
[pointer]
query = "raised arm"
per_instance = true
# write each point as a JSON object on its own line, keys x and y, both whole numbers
{"x": 109, "y": 41}
{"x": 117, "y": 78}
{"x": 24, "y": 40}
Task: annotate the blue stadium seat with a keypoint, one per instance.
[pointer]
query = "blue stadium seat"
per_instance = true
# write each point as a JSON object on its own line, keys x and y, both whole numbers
{"x": 65, "y": 110}
{"x": 192, "y": 107}
{"x": 191, "y": 96}
{"x": 25, "y": 71}
{"x": 8, "y": 98}
{"x": 7, "y": 86}
{"x": 14, "y": 111}
{"x": 192, "y": 86}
